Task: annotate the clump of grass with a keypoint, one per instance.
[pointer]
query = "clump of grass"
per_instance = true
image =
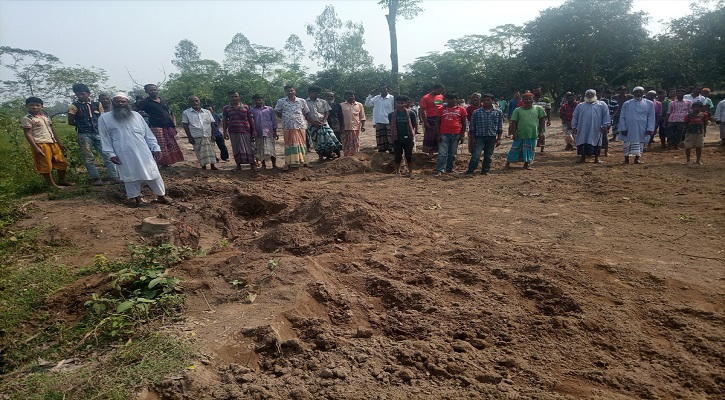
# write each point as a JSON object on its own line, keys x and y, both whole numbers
{"x": 653, "y": 202}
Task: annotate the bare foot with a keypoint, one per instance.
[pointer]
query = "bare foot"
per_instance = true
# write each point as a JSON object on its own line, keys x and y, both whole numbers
{"x": 214, "y": 168}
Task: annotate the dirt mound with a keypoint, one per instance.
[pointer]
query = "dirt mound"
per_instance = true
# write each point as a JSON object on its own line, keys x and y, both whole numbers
{"x": 357, "y": 164}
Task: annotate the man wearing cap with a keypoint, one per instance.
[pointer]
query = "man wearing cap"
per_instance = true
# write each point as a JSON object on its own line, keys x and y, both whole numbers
{"x": 636, "y": 123}
{"x": 129, "y": 143}
{"x": 590, "y": 124}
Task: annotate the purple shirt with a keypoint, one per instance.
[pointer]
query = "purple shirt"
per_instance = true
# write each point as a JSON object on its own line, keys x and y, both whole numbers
{"x": 265, "y": 121}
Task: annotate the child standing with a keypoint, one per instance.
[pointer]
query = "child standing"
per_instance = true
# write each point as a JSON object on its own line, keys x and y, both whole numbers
{"x": 695, "y": 132}
{"x": 404, "y": 127}
{"x": 47, "y": 148}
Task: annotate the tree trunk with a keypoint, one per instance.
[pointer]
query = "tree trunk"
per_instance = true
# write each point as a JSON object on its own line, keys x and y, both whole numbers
{"x": 392, "y": 14}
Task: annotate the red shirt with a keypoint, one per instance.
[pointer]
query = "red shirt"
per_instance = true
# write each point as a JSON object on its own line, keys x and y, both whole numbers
{"x": 470, "y": 109}
{"x": 567, "y": 113}
{"x": 451, "y": 119}
{"x": 431, "y": 104}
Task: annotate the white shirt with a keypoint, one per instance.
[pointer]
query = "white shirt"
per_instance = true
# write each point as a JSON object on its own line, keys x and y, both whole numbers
{"x": 382, "y": 106}
{"x": 199, "y": 122}
{"x": 132, "y": 142}
{"x": 702, "y": 99}
{"x": 720, "y": 111}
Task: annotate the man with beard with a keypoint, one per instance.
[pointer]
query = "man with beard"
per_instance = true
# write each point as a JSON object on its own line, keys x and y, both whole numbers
{"x": 636, "y": 123}
{"x": 129, "y": 143}
{"x": 590, "y": 125}
{"x": 163, "y": 125}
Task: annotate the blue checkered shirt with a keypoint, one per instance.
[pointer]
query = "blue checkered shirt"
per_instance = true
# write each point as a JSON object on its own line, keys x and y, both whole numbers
{"x": 487, "y": 123}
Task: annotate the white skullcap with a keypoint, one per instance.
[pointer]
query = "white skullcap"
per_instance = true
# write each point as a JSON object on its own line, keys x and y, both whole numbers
{"x": 652, "y": 92}
{"x": 638, "y": 88}
{"x": 590, "y": 91}
{"x": 121, "y": 94}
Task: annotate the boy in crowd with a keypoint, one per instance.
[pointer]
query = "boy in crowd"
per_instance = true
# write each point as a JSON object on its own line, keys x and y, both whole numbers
{"x": 404, "y": 127}
{"x": 484, "y": 133}
{"x": 451, "y": 128}
{"x": 566, "y": 111}
{"x": 695, "y": 132}
{"x": 47, "y": 148}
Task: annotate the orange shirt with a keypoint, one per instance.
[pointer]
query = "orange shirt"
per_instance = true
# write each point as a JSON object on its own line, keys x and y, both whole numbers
{"x": 431, "y": 104}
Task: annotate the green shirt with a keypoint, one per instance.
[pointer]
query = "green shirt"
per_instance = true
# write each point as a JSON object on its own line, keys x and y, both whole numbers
{"x": 527, "y": 121}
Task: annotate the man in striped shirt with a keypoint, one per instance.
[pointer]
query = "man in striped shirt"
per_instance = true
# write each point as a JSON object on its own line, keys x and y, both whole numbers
{"x": 676, "y": 112}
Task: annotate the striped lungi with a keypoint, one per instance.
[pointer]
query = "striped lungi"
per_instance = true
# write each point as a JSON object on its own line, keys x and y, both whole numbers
{"x": 323, "y": 140}
{"x": 242, "y": 147}
{"x": 295, "y": 148}
{"x": 382, "y": 137}
{"x": 265, "y": 148}
{"x": 204, "y": 150}
{"x": 350, "y": 142}
{"x": 632, "y": 149}
{"x": 170, "y": 150}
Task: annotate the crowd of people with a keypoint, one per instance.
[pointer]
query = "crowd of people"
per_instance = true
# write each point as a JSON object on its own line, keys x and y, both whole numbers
{"x": 136, "y": 140}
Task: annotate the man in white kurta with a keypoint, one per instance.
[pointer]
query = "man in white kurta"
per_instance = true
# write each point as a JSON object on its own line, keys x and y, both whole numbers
{"x": 383, "y": 104}
{"x": 130, "y": 144}
{"x": 636, "y": 121}
{"x": 589, "y": 122}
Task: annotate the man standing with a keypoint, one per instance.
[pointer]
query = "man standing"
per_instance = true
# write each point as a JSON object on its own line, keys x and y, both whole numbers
{"x": 676, "y": 112}
{"x": 218, "y": 135}
{"x": 485, "y": 134}
{"x": 265, "y": 132}
{"x": 163, "y": 125}
{"x": 621, "y": 97}
{"x": 696, "y": 96}
{"x": 636, "y": 123}
{"x": 129, "y": 143}
{"x": 720, "y": 120}
{"x": 238, "y": 125}
{"x": 383, "y": 104}
{"x": 105, "y": 101}
{"x": 451, "y": 125}
{"x": 652, "y": 96}
{"x": 198, "y": 124}
{"x": 294, "y": 113}
{"x": 335, "y": 120}
{"x": 527, "y": 123}
{"x": 566, "y": 111}
{"x": 613, "y": 106}
{"x": 475, "y": 105}
{"x": 513, "y": 104}
{"x": 590, "y": 125}
{"x": 353, "y": 113}
{"x": 429, "y": 106}
{"x": 545, "y": 103}
{"x": 83, "y": 114}
{"x": 319, "y": 132}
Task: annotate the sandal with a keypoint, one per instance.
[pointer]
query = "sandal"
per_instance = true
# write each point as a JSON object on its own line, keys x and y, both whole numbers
{"x": 166, "y": 200}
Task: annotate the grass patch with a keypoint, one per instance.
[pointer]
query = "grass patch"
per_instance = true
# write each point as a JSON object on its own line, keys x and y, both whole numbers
{"x": 653, "y": 203}
{"x": 117, "y": 375}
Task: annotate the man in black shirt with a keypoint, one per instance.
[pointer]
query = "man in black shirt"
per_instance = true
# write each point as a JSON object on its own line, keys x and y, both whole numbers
{"x": 162, "y": 122}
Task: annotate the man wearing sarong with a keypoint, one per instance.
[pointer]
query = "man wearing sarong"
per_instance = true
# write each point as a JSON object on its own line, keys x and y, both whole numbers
{"x": 383, "y": 104}
{"x": 323, "y": 138}
{"x": 294, "y": 112}
{"x": 218, "y": 135}
{"x": 429, "y": 106}
{"x": 354, "y": 115}
{"x": 238, "y": 124}
{"x": 545, "y": 103}
{"x": 528, "y": 124}
{"x": 620, "y": 98}
{"x": 335, "y": 120}
{"x": 475, "y": 105}
{"x": 162, "y": 122}
{"x": 129, "y": 143}
{"x": 199, "y": 124}
{"x": 265, "y": 132}
{"x": 636, "y": 122}
{"x": 565, "y": 112}
{"x": 675, "y": 123}
{"x": 590, "y": 125}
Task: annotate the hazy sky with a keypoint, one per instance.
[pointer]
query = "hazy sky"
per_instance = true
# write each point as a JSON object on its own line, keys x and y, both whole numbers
{"x": 141, "y": 35}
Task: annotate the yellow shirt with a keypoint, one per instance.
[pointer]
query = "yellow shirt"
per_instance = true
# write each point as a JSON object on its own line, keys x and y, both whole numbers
{"x": 40, "y": 127}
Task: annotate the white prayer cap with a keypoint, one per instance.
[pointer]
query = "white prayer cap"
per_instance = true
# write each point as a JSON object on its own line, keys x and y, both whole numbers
{"x": 638, "y": 88}
{"x": 652, "y": 92}
{"x": 121, "y": 94}
{"x": 591, "y": 92}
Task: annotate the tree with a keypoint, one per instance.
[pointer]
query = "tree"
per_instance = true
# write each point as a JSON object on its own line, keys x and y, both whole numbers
{"x": 294, "y": 51}
{"x": 406, "y": 9}
{"x": 43, "y": 75}
{"x": 187, "y": 55}
{"x": 264, "y": 57}
{"x": 238, "y": 53}
{"x": 585, "y": 43}
{"x": 338, "y": 45}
